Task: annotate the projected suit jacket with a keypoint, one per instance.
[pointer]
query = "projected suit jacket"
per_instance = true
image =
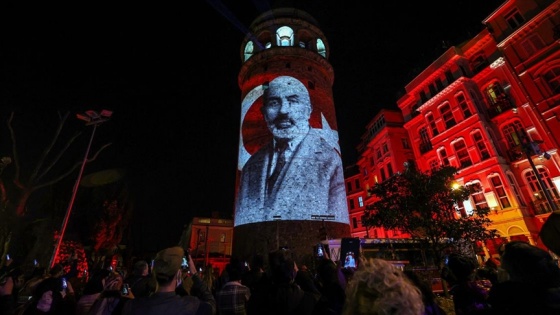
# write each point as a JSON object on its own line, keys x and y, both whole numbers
{"x": 311, "y": 183}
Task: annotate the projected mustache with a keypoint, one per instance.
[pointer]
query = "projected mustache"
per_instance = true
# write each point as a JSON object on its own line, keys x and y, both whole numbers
{"x": 283, "y": 121}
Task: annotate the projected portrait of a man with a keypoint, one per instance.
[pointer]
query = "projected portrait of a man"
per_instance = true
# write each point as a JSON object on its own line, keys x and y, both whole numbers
{"x": 297, "y": 174}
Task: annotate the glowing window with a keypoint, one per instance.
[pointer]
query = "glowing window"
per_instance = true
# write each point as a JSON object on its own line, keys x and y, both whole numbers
{"x": 248, "y": 50}
{"x": 285, "y": 36}
{"x": 513, "y": 185}
{"x": 539, "y": 197}
{"x": 478, "y": 195}
{"x": 321, "y": 49}
{"x": 443, "y": 156}
{"x": 511, "y": 135}
{"x": 500, "y": 191}
{"x": 361, "y": 201}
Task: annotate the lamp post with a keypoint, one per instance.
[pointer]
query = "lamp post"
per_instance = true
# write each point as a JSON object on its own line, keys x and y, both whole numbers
{"x": 92, "y": 118}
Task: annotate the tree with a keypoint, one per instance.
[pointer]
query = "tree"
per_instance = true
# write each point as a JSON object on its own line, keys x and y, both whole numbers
{"x": 17, "y": 187}
{"x": 424, "y": 205}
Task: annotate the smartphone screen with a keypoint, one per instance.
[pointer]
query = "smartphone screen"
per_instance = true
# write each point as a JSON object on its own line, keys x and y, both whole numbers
{"x": 185, "y": 264}
{"x": 125, "y": 289}
{"x": 64, "y": 284}
{"x": 320, "y": 250}
{"x": 349, "y": 252}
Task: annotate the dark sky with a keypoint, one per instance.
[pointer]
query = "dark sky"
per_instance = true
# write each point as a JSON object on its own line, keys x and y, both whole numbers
{"x": 169, "y": 74}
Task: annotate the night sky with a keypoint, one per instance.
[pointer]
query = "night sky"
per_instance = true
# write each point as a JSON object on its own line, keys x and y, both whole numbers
{"x": 169, "y": 74}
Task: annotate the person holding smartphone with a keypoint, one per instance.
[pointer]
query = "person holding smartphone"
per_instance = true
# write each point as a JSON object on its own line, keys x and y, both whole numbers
{"x": 168, "y": 272}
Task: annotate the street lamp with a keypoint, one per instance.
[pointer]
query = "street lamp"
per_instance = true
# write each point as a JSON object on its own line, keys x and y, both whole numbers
{"x": 94, "y": 118}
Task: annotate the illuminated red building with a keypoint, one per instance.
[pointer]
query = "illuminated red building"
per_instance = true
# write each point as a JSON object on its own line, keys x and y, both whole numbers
{"x": 490, "y": 107}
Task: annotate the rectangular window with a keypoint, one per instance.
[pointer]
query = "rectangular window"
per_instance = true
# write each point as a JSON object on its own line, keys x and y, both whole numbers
{"x": 357, "y": 183}
{"x": 390, "y": 169}
{"x": 443, "y": 157}
{"x": 383, "y": 177}
{"x": 361, "y": 201}
{"x": 354, "y": 223}
{"x": 352, "y": 206}
{"x": 514, "y": 19}
{"x": 432, "y": 123}
{"x": 349, "y": 186}
{"x": 385, "y": 148}
{"x": 378, "y": 154}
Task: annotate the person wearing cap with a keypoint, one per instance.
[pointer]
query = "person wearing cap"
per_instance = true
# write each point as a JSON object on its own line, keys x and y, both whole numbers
{"x": 167, "y": 272}
{"x": 299, "y": 172}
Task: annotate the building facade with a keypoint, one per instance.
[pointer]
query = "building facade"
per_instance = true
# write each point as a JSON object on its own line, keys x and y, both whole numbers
{"x": 489, "y": 107}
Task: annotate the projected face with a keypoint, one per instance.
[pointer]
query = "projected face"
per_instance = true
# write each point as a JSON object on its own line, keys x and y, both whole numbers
{"x": 301, "y": 180}
{"x": 286, "y": 108}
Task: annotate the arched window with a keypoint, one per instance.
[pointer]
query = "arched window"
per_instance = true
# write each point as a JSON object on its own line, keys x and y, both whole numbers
{"x": 443, "y": 156}
{"x": 552, "y": 78}
{"x": 500, "y": 191}
{"x": 480, "y": 145}
{"x": 510, "y": 132}
{"x": 539, "y": 198}
{"x": 477, "y": 195}
{"x": 248, "y": 52}
{"x": 321, "y": 49}
{"x": 447, "y": 114}
{"x": 284, "y": 36}
{"x": 432, "y": 124}
{"x": 462, "y": 101}
{"x": 513, "y": 185}
{"x": 462, "y": 153}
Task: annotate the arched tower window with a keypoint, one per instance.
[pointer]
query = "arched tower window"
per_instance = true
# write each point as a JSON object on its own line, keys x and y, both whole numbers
{"x": 248, "y": 50}
{"x": 321, "y": 49}
{"x": 285, "y": 36}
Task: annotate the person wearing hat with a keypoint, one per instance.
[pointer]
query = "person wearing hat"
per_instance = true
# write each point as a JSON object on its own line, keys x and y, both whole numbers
{"x": 167, "y": 272}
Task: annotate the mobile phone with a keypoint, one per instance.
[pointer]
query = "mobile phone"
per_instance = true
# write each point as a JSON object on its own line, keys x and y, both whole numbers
{"x": 64, "y": 284}
{"x": 349, "y": 252}
{"x": 8, "y": 257}
{"x": 185, "y": 264}
{"x": 320, "y": 250}
{"x": 125, "y": 288}
{"x": 35, "y": 263}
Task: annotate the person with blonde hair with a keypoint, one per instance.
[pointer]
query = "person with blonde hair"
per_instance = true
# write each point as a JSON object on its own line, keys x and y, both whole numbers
{"x": 379, "y": 288}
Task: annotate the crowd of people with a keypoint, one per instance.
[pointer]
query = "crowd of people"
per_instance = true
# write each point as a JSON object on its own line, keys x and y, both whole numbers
{"x": 524, "y": 280}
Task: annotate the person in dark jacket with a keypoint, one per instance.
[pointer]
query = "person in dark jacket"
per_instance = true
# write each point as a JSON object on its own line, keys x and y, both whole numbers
{"x": 168, "y": 275}
{"x": 533, "y": 286}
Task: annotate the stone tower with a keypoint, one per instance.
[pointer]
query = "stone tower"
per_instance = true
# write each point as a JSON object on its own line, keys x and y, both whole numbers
{"x": 307, "y": 203}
